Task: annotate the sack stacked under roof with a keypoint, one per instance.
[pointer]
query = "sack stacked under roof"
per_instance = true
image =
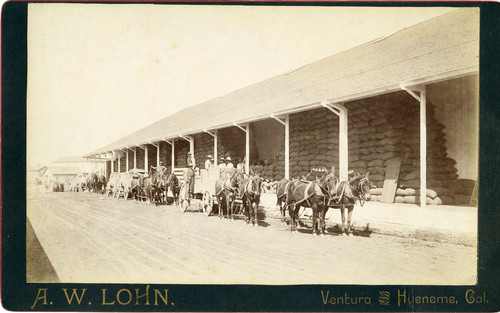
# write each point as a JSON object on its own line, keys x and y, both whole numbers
{"x": 379, "y": 129}
{"x": 313, "y": 142}
{"x": 382, "y": 128}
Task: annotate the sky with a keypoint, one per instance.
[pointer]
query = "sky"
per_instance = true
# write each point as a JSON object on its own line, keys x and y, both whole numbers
{"x": 98, "y": 72}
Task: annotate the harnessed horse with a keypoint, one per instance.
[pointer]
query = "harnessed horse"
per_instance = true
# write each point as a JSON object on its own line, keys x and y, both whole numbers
{"x": 296, "y": 193}
{"x": 345, "y": 195}
{"x": 225, "y": 190}
{"x": 90, "y": 182}
{"x": 172, "y": 182}
{"x": 152, "y": 187}
{"x": 101, "y": 183}
{"x": 250, "y": 190}
{"x": 308, "y": 194}
{"x": 124, "y": 185}
{"x": 113, "y": 181}
{"x": 282, "y": 195}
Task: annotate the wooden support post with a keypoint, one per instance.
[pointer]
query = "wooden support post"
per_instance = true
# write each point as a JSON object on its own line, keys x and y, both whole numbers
{"x": 135, "y": 157}
{"x": 158, "y": 155}
{"x": 286, "y": 123}
{"x": 423, "y": 139}
{"x": 146, "y": 157}
{"x": 246, "y": 129}
{"x": 112, "y": 162}
{"x": 173, "y": 155}
{"x": 171, "y": 143}
{"x": 423, "y": 147}
{"x": 105, "y": 165}
{"x": 126, "y": 165}
{"x": 343, "y": 143}
{"x": 214, "y": 135}
{"x": 215, "y": 149}
{"x": 191, "y": 142}
{"x": 287, "y": 146}
{"x": 341, "y": 112}
{"x": 247, "y": 149}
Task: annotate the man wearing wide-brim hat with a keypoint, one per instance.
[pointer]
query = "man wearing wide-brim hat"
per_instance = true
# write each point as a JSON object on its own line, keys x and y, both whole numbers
{"x": 222, "y": 163}
{"x": 229, "y": 164}
{"x": 209, "y": 162}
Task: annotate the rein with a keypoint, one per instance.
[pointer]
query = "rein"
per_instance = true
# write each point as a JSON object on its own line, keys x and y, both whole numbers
{"x": 284, "y": 189}
{"x": 306, "y": 196}
{"x": 250, "y": 191}
{"x": 361, "y": 194}
{"x": 356, "y": 193}
{"x": 230, "y": 188}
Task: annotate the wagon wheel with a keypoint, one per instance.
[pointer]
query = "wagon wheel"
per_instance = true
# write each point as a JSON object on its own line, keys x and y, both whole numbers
{"x": 207, "y": 203}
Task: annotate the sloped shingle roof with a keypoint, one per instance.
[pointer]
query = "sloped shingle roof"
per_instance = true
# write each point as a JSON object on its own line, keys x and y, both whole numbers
{"x": 441, "y": 48}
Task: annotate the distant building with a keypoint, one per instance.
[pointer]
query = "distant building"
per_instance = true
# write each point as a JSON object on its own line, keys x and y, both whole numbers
{"x": 32, "y": 173}
{"x": 85, "y": 165}
{"x": 60, "y": 174}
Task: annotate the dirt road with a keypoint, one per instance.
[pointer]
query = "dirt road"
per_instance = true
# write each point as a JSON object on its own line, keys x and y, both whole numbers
{"x": 95, "y": 239}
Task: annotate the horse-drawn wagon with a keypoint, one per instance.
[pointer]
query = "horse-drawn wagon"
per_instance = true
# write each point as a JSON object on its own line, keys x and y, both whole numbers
{"x": 203, "y": 189}
{"x": 233, "y": 192}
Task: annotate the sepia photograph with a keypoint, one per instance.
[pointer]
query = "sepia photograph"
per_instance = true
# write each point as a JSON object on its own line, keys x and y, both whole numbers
{"x": 267, "y": 145}
{"x": 246, "y": 157}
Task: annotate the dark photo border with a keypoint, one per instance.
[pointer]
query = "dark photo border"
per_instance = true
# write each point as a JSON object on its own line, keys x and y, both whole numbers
{"x": 17, "y": 295}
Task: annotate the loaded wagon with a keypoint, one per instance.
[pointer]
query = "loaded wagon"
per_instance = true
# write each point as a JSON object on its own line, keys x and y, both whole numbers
{"x": 204, "y": 188}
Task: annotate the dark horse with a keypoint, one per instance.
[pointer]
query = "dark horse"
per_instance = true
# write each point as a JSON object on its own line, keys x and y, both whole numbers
{"x": 172, "y": 182}
{"x": 101, "y": 183}
{"x": 225, "y": 190}
{"x": 91, "y": 182}
{"x": 345, "y": 195}
{"x": 142, "y": 185}
{"x": 313, "y": 194}
{"x": 152, "y": 186}
{"x": 282, "y": 195}
{"x": 250, "y": 190}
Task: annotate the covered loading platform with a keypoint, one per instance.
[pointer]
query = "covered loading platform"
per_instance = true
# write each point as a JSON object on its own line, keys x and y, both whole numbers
{"x": 445, "y": 48}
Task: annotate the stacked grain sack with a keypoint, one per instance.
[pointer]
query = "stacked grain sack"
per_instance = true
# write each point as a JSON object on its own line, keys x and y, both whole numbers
{"x": 181, "y": 150}
{"x": 204, "y": 146}
{"x": 379, "y": 129}
{"x": 313, "y": 142}
{"x": 441, "y": 171}
{"x": 383, "y": 128}
{"x": 231, "y": 142}
{"x": 374, "y": 131}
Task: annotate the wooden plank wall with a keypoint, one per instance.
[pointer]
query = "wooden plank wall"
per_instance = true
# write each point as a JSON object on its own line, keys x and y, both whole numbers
{"x": 457, "y": 107}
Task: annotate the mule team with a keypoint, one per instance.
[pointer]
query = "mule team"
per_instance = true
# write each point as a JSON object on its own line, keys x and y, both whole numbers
{"x": 151, "y": 187}
{"x": 318, "y": 191}
{"x": 321, "y": 192}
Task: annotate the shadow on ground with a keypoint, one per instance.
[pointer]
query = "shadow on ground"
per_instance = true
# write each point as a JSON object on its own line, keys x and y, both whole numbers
{"x": 38, "y": 266}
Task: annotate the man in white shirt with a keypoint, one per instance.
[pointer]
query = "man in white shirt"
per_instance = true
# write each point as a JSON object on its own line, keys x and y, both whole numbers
{"x": 221, "y": 163}
{"x": 209, "y": 162}
{"x": 228, "y": 163}
{"x": 241, "y": 166}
